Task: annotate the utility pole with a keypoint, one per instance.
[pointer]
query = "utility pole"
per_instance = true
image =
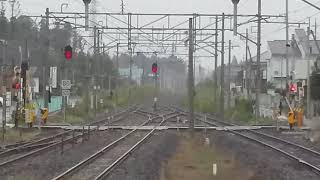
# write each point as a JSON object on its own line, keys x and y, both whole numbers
{"x": 191, "y": 77}
{"x": 308, "y": 78}
{"x": 93, "y": 70}
{"x": 122, "y": 7}
{"x": 117, "y": 78}
{"x": 4, "y": 88}
{"x": 12, "y": 3}
{"x": 2, "y": 11}
{"x": 247, "y": 72}
{"x": 258, "y": 89}
{"x": 315, "y": 28}
{"x": 287, "y": 43}
{"x": 4, "y": 110}
{"x": 250, "y": 74}
{"x": 216, "y": 64}
{"x": 98, "y": 42}
{"x": 45, "y": 88}
{"x": 222, "y": 71}
{"x": 130, "y": 53}
{"x": 229, "y": 76}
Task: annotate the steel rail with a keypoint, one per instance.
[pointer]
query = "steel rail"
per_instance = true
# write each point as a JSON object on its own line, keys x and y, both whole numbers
{"x": 109, "y": 169}
{"x": 25, "y": 146}
{"x": 33, "y": 145}
{"x": 91, "y": 158}
{"x": 37, "y": 151}
{"x": 314, "y": 168}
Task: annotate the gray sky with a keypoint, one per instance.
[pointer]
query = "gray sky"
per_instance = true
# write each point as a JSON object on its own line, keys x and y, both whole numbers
{"x": 298, "y": 11}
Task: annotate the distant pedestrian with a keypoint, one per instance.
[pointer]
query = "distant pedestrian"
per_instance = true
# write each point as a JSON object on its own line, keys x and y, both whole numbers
{"x": 280, "y": 108}
{"x": 111, "y": 94}
{"x": 253, "y": 106}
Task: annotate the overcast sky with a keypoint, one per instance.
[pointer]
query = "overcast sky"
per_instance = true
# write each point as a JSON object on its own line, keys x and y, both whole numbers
{"x": 299, "y": 11}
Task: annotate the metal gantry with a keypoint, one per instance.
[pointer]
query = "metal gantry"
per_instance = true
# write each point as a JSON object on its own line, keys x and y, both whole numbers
{"x": 162, "y": 32}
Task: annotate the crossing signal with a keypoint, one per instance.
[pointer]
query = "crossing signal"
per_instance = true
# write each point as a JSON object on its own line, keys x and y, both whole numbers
{"x": 293, "y": 88}
{"x": 155, "y": 68}
{"x": 16, "y": 79}
{"x": 68, "y": 52}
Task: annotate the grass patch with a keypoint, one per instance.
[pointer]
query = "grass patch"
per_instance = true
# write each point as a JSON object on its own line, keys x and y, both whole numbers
{"x": 241, "y": 113}
{"x": 194, "y": 160}
{"x": 14, "y": 135}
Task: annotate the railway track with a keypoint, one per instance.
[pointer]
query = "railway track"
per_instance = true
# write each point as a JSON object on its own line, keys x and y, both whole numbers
{"x": 307, "y": 157}
{"x": 101, "y": 164}
{"x": 23, "y": 151}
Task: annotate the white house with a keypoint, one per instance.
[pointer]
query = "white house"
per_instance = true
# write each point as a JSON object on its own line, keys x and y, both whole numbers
{"x": 301, "y": 51}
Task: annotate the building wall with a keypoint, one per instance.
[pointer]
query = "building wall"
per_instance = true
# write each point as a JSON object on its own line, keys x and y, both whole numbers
{"x": 277, "y": 69}
{"x": 171, "y": 80}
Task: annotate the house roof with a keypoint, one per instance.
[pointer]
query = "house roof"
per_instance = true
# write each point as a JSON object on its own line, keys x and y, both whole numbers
{"x": 263, "y": 57}
{"x": 278, "y": 47}
{"x": 302, "y": 40}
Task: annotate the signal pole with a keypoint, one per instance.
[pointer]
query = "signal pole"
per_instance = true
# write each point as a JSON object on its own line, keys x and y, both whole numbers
{"x": 191, "y": 77}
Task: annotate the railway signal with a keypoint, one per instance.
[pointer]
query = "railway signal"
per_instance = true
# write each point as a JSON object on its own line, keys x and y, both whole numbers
{"x": 154, "y": 68}
{"x": 68, "y": 52}
{"x": 16, "y": 80}
{"x": 293, "y": 88}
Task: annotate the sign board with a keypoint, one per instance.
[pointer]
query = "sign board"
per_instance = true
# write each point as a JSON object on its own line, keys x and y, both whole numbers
{"x": 264, "y": 74}
{"x": 53, "y": 77}
{"x": 35, "y": 85}
{"x": 65, "y": 93}
{"x": 8, "y": 99}
{"x": 66, "y": 84}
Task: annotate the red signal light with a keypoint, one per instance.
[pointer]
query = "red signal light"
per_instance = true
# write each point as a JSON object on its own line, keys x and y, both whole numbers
{"x": 16, "y": 86}
{"x": 68, "y": 52}
{"x": 154, "y": 68}
{"x": 293, "y": 88}
{"x": 68, "y": 55}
